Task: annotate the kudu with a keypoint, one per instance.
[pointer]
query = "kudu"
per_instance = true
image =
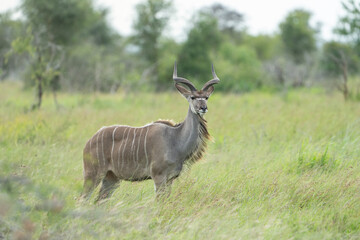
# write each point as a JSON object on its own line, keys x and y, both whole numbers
{"x": 155, "y": 151}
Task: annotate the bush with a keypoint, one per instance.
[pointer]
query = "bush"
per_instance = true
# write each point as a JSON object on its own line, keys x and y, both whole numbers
{"x": 238, "y": 68}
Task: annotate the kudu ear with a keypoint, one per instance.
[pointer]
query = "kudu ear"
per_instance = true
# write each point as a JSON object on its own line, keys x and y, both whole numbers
{"x": 209, "y": 91}
{"x": 185, "y": 92}
{"x": 208, "y": 87}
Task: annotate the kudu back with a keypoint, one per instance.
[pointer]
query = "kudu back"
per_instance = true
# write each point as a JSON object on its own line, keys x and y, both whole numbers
{"x": 155, "y": 151}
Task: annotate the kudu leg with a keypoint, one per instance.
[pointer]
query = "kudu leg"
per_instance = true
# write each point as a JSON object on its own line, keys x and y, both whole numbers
{"x": 162, "y": 186}
{"x": 109, "y": 184}
{"x": 90, "y": 183}
{"x": 91, "y": 177}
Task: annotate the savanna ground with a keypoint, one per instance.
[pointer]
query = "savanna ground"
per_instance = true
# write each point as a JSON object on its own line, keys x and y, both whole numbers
{"x": 282, "y": 166}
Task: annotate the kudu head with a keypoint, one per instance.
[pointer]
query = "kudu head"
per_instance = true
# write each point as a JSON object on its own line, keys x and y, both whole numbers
{"x": 196, "y": 98}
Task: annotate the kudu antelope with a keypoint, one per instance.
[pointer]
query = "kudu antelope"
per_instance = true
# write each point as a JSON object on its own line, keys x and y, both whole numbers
{"x": 155, "y": 151}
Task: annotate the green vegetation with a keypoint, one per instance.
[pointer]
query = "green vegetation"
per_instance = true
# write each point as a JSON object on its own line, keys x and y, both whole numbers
{"x": 69, "y": 45}
{"x": 297, "y": 35}
{"x": 348, "y": 24}
{"x": 280, "y": 167}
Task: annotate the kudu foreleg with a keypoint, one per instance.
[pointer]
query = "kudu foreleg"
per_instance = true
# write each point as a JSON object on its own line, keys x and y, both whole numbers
{"x": 90, "y": 183}
{"x": 162, "y": 186}
{"x": 91, "y": 177}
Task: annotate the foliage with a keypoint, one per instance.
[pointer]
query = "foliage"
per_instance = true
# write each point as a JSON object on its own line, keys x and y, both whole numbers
{"x": 152, "y": 18}
{"x": 239, "y": 68}
{"x": 76, "y": 49}
{"x": 56, "y": 21}
{"x": 333, "y": 52}
{"x": 52, "y": 27}
{"x": 168, "y": 55}
{"x": 297, "y": 34}
{"x": 275, "y": 170}
{"x": 349, "y": 25}
{"x": 9, "y": 31}
{"x": 194, "y": 56}
{"x": 24, "y": 45}
{"x": 98, "y": 29}
{"x": 267, "y": 47}
{"x": 229, "y": 21}
{"x": 99, "y": 68}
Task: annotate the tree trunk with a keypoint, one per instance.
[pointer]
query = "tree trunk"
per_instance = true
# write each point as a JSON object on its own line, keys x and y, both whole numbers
{"x": 39, "y": 93}
{"x": 39, "y": 89}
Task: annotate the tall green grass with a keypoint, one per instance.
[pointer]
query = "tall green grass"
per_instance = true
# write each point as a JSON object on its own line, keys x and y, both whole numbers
{"x": 280, "y": 167}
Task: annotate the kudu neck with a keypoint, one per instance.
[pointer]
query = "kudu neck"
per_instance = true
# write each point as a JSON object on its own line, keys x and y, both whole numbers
{"x": 189, "y": 131}
{"x": 191, "y": 122}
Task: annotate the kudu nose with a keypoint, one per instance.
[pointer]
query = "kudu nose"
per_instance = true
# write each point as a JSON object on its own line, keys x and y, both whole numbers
{"x": 204, "y": 108}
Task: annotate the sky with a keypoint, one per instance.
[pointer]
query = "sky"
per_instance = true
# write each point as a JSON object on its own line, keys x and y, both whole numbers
{"x": 261, "y": 16}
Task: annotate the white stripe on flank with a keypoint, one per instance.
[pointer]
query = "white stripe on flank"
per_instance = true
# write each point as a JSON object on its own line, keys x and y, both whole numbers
{"x": 137, "y": 152}
{"x": 132, "y": 151}
{"x": 102, "y": 146}
{"x": 122, "y": 158}
{"x": 97, "y": 148}
{"x": 122, "y": 142}
{"x": 91, "y": 157}
{"x": 132, "y": 145}
{"x": 146, "y": 156}
{"x": 112, "y": 149}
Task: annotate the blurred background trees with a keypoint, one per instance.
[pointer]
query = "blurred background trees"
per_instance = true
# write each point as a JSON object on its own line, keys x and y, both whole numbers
{"x": 203, "y": 38}
{"x": 349, "y": 25}
{"x": 9, "y": 31}
{"x": 151, "y": 20}
{"x": 297, "y": 35}
{"x": 70, "y": 45}
{"x": 299, "y": 43}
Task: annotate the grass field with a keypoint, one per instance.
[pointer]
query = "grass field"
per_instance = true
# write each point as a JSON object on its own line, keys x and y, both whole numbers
{"x": 282, "y": 166}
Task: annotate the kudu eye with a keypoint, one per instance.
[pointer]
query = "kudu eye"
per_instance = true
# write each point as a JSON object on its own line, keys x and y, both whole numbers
{"x": 192, "y": 98}
{"x": 206, "y": 98}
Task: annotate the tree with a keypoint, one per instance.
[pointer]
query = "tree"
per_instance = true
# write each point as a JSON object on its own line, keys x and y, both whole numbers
{"x": 297, "y": 34}
{"x": 152, "y": 18}
{"x": 98, "y": 29}
{"x": 349, "y": 25}
{"x": 266, "y": 46}
{"x": 230, "y": 22}
{"x": 194, "y": 56}
{"x": 59, "y": 22}
{"x": 339, "y": 59}
{"x": 9, "y": 31}
{"x": 239, "y": 66}
{"x": 53, "y": 26}
{"x": 168, "y": 55}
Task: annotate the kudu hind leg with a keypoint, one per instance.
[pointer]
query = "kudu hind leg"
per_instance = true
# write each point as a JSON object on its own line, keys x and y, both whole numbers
{"x": 109, "y": 183}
